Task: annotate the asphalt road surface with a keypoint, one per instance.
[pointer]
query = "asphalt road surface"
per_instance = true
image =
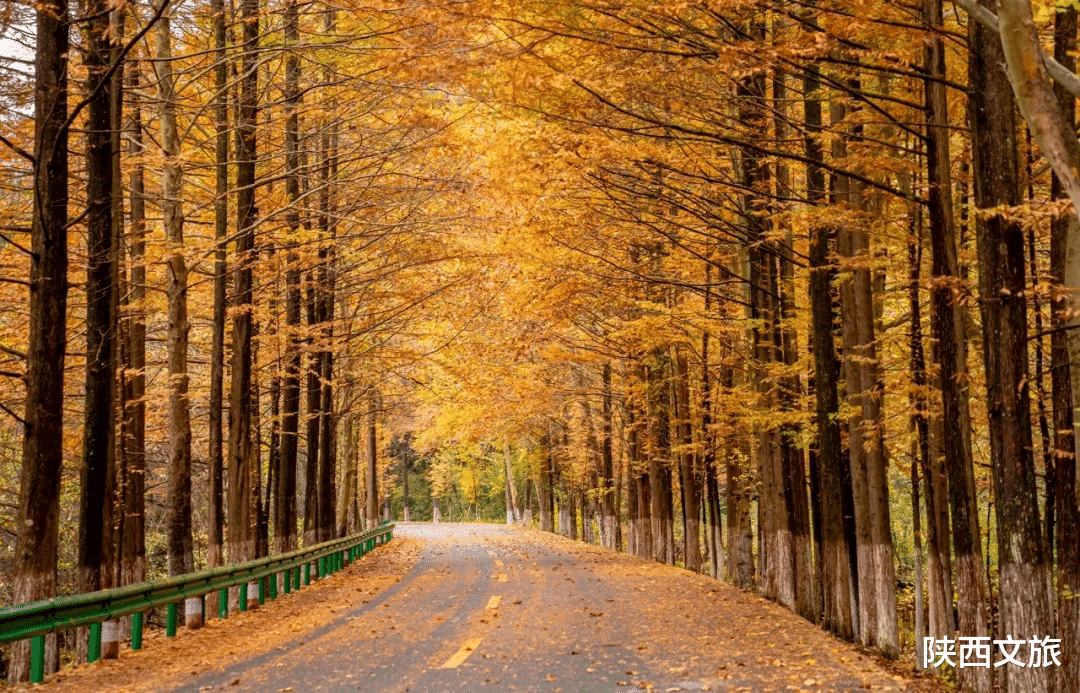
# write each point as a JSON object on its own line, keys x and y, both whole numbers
{"x": 488, "y": 608}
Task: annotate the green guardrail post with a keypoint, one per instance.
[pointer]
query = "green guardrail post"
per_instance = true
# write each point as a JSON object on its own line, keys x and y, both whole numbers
{"x": 262, "y": 590}
{"x": 37, "y": 658}
{"x": 296, "y": 578}
{"x": 223, "y": 603}
{"x": 307, "y": 574}
{"x": 136, "y": 630}
{"x": 170, "y": 620}
{"x": 93, "y": 646}
{"x": 287, "y": 582}
{"x": 241, "y": 601}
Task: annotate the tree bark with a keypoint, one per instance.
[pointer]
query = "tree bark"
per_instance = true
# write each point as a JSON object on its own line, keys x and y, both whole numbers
{"x": 100, "y": 422}
{"x": 708, "y": 459}
{"x": 950, "y": 353}
{"x": 178, "y": 490}
{"x": 38, "y": 517}
{"x": 876, "y": 572}
{"x": 243, "y": 472}
{"x": 215, "y": 509}
{"x": 608, "y": 508}
{"x": 371, "y": 517}
{"x": 1024, "y": 602}
{"x": 314, "y": 408}
{"x": 544, "y": 487}
{"x": 661, "y": 508}
{"x": 286, "y": 511}
{"x": 347, "y": 496}
{"x": 691, "y": 500}
{"x": 133, "y": 535}
{"x": 739, "y": 481}
{"x": 835, "y": 567}
{"x": 513, "y": 513}
{"x": 1067, "y": 528}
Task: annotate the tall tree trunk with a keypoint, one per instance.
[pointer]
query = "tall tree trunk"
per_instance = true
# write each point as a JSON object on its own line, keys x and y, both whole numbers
{"x": 691, "y": 499}
{"x": 371, "y": 516}
{"x": 835, "y": 567}
{"x": 1024, "y": 602}
{"x": 660, "y": 491}
{"x": 243, "y": 472}
{"x": 100, "y": 422}
{"x": 1067, "y": 527}
{"x": 286, "y": 513}
{"x": 178, "y": 490}
{"x": 513, "y": 513}
{"x": 544, "y": 486}
{"x": 792, "y": 460}
{"x": 327, "y": 469}
{"x": 117, "y": 459}
{"x": 951, "y": 357}
{"x": 348, "y": 486}
{"x": 406, "y": 511}
{"x": 876, "y": 572}
{"x": 133, "y": 537}
{"x": 313, "y": 409}
{"x": 739, "y": 481}
{"x": 38, "y": 519}
{"x": 708, "y": 457}
{"x": 608, "y": 508}
{"x": 215, "y": 509}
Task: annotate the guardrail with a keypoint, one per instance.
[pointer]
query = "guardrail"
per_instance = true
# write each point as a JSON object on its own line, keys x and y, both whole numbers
{"x": 34, "y": 620}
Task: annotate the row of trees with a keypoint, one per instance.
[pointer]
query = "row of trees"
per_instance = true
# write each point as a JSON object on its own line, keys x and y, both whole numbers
{"x": 804, "y": 268}
{"x": 217, "y": 228}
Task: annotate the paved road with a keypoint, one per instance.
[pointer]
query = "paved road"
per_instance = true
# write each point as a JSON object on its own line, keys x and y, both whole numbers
{"x": 487, "y": 608}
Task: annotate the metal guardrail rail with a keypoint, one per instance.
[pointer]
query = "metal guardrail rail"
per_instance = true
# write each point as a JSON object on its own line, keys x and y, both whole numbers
{"x": 34, "y": 620}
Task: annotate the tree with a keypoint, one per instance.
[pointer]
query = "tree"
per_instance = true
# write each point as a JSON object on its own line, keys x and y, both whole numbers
{"x": 179, "y": 476}
{"x": 1024, "y": 598}
{"x": 243, "y": 471}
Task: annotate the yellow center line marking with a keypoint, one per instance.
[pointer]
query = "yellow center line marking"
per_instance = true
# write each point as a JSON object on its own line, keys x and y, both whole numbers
{"x": 493, "y": 603}
{"x": 502, "y": 577}
{"x": 461, "y": 655}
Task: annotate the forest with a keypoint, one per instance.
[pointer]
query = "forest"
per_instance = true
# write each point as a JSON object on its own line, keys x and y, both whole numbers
{"x": 781, "y": 291}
